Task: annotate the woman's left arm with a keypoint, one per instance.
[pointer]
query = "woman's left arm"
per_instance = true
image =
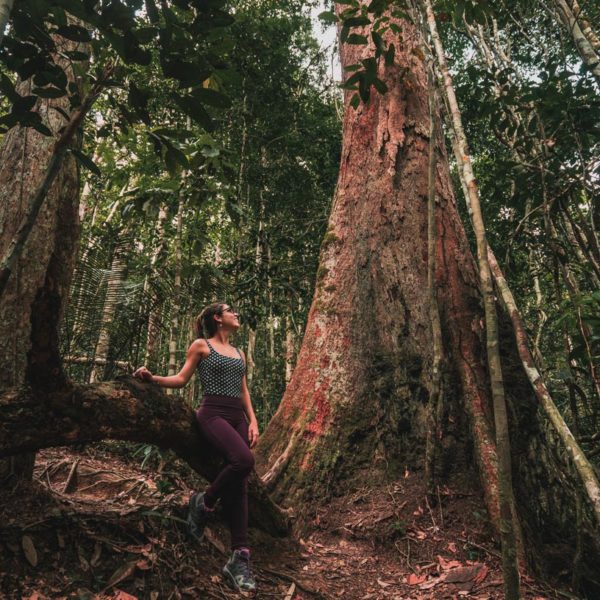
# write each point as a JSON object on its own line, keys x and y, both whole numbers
{"x": 247, "y": 404}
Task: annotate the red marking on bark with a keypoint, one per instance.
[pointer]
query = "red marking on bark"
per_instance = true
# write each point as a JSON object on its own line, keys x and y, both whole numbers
{"x": 305, "y": 461}
{"x": 320, "y": 398}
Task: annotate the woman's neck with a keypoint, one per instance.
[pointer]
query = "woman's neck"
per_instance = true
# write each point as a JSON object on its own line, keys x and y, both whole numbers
{"x": 222, "y": 337}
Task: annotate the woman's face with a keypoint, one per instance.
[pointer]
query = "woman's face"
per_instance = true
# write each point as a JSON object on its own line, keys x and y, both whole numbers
{"x": 229, "y": 318}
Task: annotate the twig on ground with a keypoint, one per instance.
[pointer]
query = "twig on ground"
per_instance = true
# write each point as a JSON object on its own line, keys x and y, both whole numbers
{"x": 436, "y": 528}
{"x": 291, "y": 579}
{"x": 491, "y": 552}
{"x": 109, "y": 481}
{"x": 71, "y": 477}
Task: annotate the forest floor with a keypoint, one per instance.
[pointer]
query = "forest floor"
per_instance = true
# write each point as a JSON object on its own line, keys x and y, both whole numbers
{"x": 95, "y": 524}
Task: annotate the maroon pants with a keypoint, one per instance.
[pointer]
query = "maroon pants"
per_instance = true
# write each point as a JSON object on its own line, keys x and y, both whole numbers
{"x": 223, "y": 423}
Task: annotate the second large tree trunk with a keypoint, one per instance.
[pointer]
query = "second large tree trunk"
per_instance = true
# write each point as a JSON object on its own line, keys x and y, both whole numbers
{"x": 32, "y": 303}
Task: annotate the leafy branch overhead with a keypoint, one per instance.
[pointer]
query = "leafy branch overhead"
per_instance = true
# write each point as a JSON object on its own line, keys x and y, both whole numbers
{"x": 188, "y": 40}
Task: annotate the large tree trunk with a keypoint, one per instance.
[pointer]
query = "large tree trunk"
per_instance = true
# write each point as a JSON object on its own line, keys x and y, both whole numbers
{"x": 355, "y": 407}
{"x": 32, "y": 303}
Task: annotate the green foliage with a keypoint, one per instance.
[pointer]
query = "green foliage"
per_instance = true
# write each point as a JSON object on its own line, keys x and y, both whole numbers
{"x": 256, "y": 195}
{"x": 186, "y": 45}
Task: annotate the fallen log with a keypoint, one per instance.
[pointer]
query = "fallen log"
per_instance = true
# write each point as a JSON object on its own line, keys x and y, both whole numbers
{"x": 125, "y": 409}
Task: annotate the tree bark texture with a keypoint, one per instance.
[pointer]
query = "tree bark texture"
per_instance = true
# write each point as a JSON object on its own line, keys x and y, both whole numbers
{"x": 32, "y": 303}
{"x": 355, "y": 407}
{"x": 126, "y": 409}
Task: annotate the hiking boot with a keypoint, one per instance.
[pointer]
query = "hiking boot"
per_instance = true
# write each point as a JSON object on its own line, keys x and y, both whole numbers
{"x": 237, "y": 572}
{"x": 198, "y": 516}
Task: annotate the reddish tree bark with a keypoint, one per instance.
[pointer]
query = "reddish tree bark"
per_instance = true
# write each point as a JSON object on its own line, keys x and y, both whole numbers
{"x": 355, "y": 405}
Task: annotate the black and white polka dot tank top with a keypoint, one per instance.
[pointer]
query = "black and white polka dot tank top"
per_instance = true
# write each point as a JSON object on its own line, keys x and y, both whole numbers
{"x": 221, "y": 375}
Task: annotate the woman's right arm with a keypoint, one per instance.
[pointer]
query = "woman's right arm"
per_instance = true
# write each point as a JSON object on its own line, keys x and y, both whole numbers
{"x": 198, "y": 350}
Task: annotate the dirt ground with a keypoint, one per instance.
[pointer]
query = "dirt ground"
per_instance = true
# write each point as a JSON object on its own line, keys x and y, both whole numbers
{"x": 97, "y": 524}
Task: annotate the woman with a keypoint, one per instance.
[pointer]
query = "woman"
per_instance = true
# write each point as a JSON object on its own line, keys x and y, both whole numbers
{"x": 227, "y": 421}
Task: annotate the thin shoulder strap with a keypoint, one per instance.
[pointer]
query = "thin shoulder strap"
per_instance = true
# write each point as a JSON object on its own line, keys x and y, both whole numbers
{"x": 209, "y": 344}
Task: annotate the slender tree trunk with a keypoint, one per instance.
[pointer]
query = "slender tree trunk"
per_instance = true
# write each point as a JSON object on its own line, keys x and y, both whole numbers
{"x": 582, "y": 465}
{"x": 435, "y": 394}
{"x": 250, "y": 364}
{"x": 155, "y": 303}
{"x": 176, "y": 302}
{"x": 81, "y": 278}
{"x": 589, "y": 54}
{"x": 111, "y": 301}
{"x": 289, "y": 348}
{"x": 506, "y": 499}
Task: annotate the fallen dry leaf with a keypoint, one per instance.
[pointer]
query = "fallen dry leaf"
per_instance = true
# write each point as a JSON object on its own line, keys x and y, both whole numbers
{"x": 445, "y": 565}
{"x": 452, "y": 547}
{"x": 122, "y": 573}
{"x": 463, "y": 574}
{"x": 483, "y": 572}
{"x": 384, "y": 584}
{"x": 413, "y": 579}
{"x": 121, "y": 595}
{"x": 290, "y": 593}
{"x": 29, "y": 550}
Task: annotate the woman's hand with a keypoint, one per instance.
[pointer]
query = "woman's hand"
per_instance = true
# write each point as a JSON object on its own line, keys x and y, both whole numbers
{"x": 253, "y": 433}
{"x": 143, "y": 374}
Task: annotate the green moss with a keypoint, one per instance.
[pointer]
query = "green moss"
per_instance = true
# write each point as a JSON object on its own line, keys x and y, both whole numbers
{"x": 330, "y": 238}
{"x": 322, "y": 273}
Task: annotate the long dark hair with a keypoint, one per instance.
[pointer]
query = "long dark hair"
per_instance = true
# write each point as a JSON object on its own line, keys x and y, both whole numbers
{"x": 206, "y": 326}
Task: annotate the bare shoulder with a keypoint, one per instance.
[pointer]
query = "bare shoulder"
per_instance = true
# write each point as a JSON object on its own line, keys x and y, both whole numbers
{"x": 199, "y": 347}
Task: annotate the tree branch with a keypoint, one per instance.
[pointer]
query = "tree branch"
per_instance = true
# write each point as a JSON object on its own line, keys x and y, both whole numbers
{"x": 125, "y": 409}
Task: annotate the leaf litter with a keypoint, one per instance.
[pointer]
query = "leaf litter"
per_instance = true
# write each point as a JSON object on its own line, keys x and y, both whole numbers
{"x": 114, "y": 535}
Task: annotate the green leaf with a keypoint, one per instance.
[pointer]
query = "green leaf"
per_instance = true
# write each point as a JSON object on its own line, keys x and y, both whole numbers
{"x": 85, "y": 161}
{"x": 211, "y": 97}
{"x": 8, "y": 89}
{"x": 357, "y": 22}
{"x": 145, "y": 35}
{"x": 75, "y": 33}
{"x": 48, "y": 92}
{"x": 355, "y": 38}
{"x": 352, "y": 80}
{"x": 378, "y": 41}
{"x": 389, "y": 55}
{"x": 195, "y": 110}
{"x": 39, "y": 126}
{"x": 138, "y": 99}
{"x": 380, "y": 86}
{"x": 328, "y": 16}
{"x": 364, "y": 90}
{"x": 355, "y": 101}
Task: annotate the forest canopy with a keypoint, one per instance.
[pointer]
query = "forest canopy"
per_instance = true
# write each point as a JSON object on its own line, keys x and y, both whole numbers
{"x": 413, "y": 249}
